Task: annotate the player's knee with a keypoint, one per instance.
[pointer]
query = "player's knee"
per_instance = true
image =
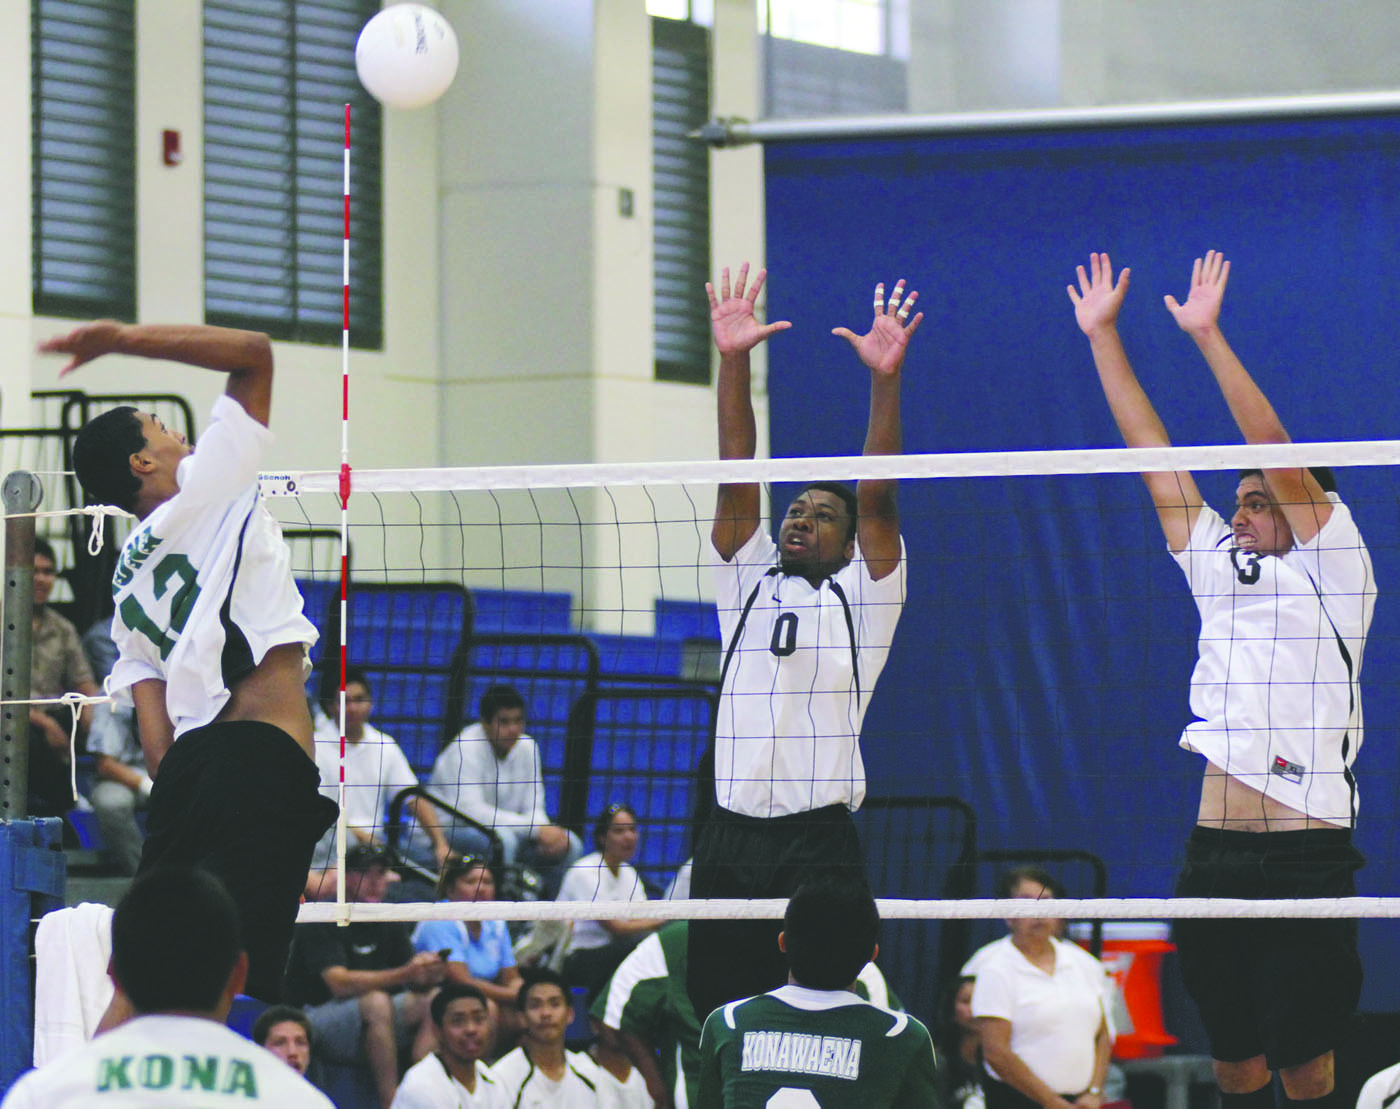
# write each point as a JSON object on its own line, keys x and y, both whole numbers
{"x": 1243, "y": 1077}
{"x": 1309, "y": 1080}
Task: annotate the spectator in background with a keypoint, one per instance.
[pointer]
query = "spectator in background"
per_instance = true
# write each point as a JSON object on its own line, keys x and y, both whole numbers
{"x": 375, "y": 770}
{"x": 479, "y": 952}
{"x": 959, "y": 1047}
{"x": 362, "y": 985}
{"x": 605, "y": 875}
{"x": 178, "y": 961}
{"x": 454, "y": 1077}
{"x": 540, "y": 1072}
{"x": 1042, "y": 1006}
{"x": 285, "y": 1031}
{"x": 58, "y": 666}
{"x": 492, "y": 772}
{"x": 123, "y": 783}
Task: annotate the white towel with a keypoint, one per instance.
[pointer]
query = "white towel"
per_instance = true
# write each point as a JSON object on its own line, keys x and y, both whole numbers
{"x": 71, "y": 986}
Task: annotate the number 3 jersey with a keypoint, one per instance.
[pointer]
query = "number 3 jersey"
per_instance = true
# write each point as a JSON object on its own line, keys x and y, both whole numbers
{"x": 1276, "y": 685}
{"x": 800, "y": 662}
{"x": 203, "y": 587}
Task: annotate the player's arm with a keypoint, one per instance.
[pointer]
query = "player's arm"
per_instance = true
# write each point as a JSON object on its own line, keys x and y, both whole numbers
{"x": 1096, "y": 304}
{"x": 736, "y": 332}
{"x": 882, "y": 350}
{"x": 643, "y": 1056}
{"x": 152, "y": 721}
{"x": 921, "y": 1086}
{"x": 246, "y": 356}
{"x": 1297, "y": 492}
{"x": 996, "y": 1049}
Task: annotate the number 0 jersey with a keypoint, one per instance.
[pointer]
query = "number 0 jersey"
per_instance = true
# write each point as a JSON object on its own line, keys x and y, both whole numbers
{"x": 797, "y": 1048}
{"x": 203, "y": 587}
{"x": 800, "y": 663}
{"x": 1277, "y": 684}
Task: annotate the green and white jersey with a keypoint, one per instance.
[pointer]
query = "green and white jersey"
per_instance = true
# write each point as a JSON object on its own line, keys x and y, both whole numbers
{"x": 797, "y": 1048}
{"x": 203, "y": 586}
{"x": 153, "y": 1061}
{"x": 647, "y": 997}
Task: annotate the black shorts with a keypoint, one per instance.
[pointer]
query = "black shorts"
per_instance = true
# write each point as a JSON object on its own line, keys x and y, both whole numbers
{"x": 747, "y": 857}
{"x": 1285, "y": 989}
{"x": 241, "y": 800}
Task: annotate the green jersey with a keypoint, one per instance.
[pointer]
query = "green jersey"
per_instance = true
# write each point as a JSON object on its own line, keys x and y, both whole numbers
{"x": 797, "y": 1048}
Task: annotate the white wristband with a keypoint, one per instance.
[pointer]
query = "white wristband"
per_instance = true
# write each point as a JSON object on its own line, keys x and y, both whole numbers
{"x": 145, "y": 787}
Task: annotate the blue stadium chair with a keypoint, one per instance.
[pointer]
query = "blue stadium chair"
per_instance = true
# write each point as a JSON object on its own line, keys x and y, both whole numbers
{"x": 522, "y": 611}
{"x": 625, "y": 658}
{"x": 687, "y": 619}
{"x": 641, "y": 746}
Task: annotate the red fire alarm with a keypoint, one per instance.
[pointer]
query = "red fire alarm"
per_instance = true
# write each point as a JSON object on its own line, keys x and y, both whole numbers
{"x": 170, "y": 147}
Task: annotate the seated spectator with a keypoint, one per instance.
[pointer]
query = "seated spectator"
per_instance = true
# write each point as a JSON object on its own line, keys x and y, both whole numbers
{"x": 491, "y": 772}
{"x": 620, "y": 1084}
{"x": 121, "y": 786}
{"x": 286, "y": 1032}
{"x": 375, "y": 770}
{"x": 479, "y": 952}
{"x": 606, "y": 875}
{"x": 454, "y": 1077}
{"x": 58, "y": 666}
{"x": 540, "y": 1072}
{"x": 362, "y": 985}
{"x": 959, "y": 1047}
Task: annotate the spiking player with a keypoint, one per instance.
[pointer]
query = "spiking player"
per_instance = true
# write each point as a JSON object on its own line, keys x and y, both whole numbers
{"x": 1285, "y": 593}
{"x": 210, "y": 631}
{"x": 814, "y": 1042}
{"x": 807, "y": 624}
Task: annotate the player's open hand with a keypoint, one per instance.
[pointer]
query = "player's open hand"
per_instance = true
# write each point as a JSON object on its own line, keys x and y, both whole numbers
{"x": 1201, "y": 312}
{"x": 732, "y": 320}
{"x": 83, "y": 343}
{"x": 882, "y": 348}
{"x": 1098, "y": 298}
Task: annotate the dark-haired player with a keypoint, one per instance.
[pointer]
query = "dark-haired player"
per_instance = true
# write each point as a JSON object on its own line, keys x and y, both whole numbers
{"x": 807, "y": 624}
{"x": 177, "y": 962}
{"x": 210, "y": 632}
{"x": 814, "y": 1042}
{"x": 1285, "y": 593}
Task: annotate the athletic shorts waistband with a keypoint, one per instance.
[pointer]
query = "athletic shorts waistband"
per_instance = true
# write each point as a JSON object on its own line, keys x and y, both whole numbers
{"x": 827, "y": 814}
{"x": 1269, "y": 843}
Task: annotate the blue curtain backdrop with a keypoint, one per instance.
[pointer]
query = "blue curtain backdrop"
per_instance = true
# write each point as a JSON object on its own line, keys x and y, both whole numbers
{"x": 1041, "y": 669}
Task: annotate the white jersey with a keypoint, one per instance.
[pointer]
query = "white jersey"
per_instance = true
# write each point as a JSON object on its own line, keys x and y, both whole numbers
{"x": 1277, "y": 685}
{"x": 526, "y": 1087}
{"x": 1382, "y": 1090}
{"x": 427, "y": 1085}
{"x": 203, "y": 586}
{"x": 616, "y": 1094}
{"x": 799, "y": 666}
{"x": 153, "y": 1061}
{"x": 589, "y": 879}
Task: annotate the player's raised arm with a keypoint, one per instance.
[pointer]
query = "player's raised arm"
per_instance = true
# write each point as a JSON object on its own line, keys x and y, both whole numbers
{"x": 736, "y": 331}
{"x": 882, "y": 350}
{"x": 1096, "y": 303}
{"x": 1297, "y": 492}
{"x": 246, "y": 356}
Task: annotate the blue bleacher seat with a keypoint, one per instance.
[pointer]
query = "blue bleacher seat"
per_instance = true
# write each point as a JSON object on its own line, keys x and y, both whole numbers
{"x": 521, "y": 611}
{"x": 687, "y": 619}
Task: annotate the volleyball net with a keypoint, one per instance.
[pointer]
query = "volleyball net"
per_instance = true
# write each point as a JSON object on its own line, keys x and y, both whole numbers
{"x": 1028, "y": 713}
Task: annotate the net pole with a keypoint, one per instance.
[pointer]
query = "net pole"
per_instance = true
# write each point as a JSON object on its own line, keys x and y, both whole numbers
{"x": 22, "y": 492}
{"x": 343, "y": 918}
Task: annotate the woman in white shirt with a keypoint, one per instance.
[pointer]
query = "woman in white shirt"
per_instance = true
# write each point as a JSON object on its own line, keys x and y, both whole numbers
{"x": 1041, "y": 1005}
{"x": 606, "y": 875}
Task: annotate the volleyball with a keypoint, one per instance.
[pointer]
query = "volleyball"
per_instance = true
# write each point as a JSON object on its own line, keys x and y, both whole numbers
{"x": 406, "y": 56}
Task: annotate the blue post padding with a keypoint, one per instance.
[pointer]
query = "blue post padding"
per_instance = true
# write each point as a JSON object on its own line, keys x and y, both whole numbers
{"x": 31, "y": 883}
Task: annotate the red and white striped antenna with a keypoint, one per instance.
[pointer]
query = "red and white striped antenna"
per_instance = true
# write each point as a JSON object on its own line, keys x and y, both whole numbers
{"x": 344, "y": 514}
